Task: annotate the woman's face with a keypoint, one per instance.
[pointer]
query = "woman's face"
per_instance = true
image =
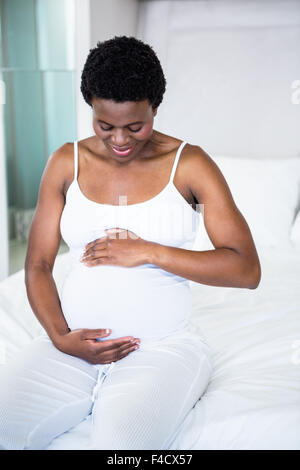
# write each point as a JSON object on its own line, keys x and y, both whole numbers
{"x": 121, "y": 126}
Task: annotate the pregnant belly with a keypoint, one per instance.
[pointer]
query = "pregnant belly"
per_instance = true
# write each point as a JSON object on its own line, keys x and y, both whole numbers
{"x": 142, "y": 301}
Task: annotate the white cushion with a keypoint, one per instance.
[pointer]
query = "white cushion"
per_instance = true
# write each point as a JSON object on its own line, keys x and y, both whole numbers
{"x": 267, "y": 194}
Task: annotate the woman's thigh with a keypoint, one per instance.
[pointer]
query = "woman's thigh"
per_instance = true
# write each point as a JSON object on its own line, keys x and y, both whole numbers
{"x": 44, "y": 392}
{"x": 145, "y": 397}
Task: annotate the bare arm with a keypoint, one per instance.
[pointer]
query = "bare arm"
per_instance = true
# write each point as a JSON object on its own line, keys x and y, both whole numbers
{"x": 234, "y": 261}
{"x": 43, "y": 245}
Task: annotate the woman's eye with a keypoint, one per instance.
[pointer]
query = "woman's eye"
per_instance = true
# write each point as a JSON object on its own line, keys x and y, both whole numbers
{"x": 110, "y": 128}
{"x": 135, "y": 130}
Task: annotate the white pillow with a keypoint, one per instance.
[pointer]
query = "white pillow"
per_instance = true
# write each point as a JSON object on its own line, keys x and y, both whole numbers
{"x": 267, "y": 194}
{"x": 295, "y": 233}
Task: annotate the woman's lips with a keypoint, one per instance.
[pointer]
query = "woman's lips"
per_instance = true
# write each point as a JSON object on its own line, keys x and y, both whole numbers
{"x": 124, "y": 152}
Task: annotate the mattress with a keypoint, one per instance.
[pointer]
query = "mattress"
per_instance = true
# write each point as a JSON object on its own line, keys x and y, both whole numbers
{"x": 253, "y": 398}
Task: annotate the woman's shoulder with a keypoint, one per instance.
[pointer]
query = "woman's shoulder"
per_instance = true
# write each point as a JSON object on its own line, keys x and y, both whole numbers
{"x": 61, "y": 162}
{"x": 190, "y": 152}
{"x": 168, "y": 143}
{"x": 63, "y": 154}
{"x": 60, "y": 158}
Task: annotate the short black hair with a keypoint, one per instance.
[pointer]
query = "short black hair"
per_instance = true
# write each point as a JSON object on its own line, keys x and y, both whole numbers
{"x": 123, "y": 69}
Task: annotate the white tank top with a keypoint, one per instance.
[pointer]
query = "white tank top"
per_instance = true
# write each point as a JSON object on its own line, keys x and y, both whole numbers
{"x": 144, "y": 301}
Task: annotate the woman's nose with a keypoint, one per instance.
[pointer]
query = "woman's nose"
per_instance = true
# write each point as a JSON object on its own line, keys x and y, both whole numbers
{"x": 119, "y": 138}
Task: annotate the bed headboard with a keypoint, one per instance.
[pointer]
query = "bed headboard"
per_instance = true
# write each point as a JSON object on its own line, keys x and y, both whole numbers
{"x": 230, "y": 66}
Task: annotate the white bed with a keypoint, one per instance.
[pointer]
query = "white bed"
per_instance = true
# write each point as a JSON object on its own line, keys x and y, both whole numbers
{"x": 253, "y": 398}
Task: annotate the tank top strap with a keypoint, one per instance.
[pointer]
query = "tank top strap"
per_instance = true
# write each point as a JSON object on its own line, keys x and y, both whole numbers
{"x": 75, "y": 159}
{"x": 178, "y": 153}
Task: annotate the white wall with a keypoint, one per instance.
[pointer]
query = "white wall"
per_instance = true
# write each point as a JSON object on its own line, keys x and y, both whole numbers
{"x": 82, "y": 46}
{"x": 229, "y": 66}
{"x": 113, "y": 17}
{"x": 99, "y": 20}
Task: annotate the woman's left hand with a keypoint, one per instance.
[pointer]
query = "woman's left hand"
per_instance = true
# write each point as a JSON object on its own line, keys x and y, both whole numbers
{"x": 120, "y": 247}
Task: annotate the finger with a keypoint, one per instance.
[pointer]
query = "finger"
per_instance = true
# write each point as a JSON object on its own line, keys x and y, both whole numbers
{"x": 91, "y": 257}
{"x": 128, "y": 347}
{"x": 109, "y": 344}
{"x": 101, "y": 239}
{"x": 125, "y": 347}
{"x": 112, "y": 356}
{"x": 125, "y": 352}
{"x": 92, "y": 250}
{"x": 95, "y": 255}
{"x": 90, "y": 262}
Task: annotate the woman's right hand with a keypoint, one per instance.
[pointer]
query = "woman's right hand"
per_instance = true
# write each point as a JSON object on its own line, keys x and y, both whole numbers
{"x": 83, "y": 343}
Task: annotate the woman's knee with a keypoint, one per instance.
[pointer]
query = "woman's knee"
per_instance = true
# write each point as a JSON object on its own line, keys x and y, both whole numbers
{"x": 42, "y": 394}
{"x": 32, "y": 424}
{"x": 137, "y": 423}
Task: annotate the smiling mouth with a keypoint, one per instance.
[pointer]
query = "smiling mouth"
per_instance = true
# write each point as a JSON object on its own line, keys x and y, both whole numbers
{"x": 122, "y": 152}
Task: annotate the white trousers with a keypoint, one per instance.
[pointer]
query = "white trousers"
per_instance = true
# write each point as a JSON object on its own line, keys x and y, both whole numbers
{"x": 136, "y": 403}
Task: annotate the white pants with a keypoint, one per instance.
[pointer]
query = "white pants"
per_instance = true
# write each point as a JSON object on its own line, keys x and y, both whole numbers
{"x": 137, "y": 402}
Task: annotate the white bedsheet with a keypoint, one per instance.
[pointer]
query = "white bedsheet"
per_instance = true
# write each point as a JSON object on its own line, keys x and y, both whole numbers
{"x": 253, "y": 398}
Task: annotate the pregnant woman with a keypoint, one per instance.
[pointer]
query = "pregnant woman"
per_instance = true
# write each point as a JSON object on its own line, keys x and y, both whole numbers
{"x": 118, "y": 343}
